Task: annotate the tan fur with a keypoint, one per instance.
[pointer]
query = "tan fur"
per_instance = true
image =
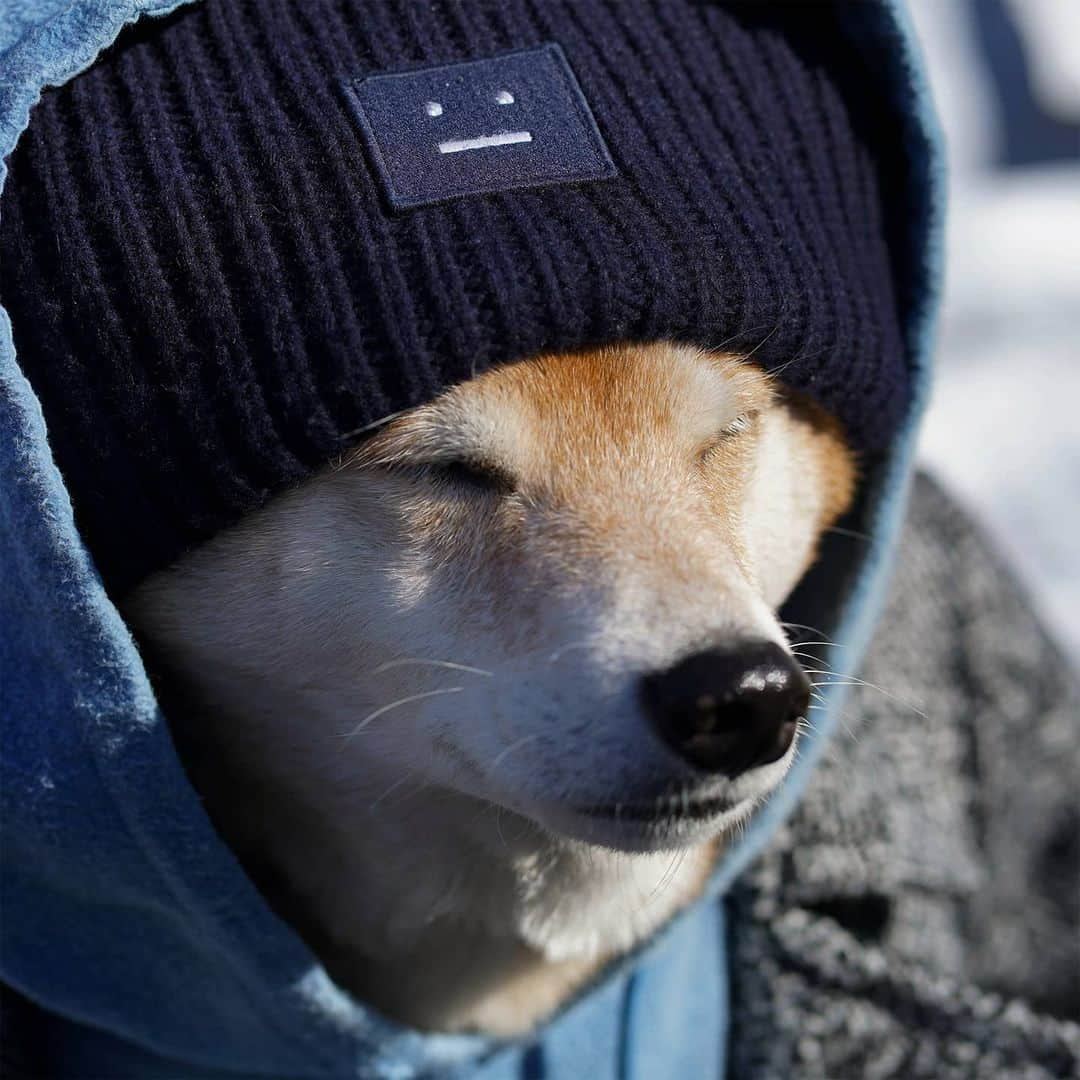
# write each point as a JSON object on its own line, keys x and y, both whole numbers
{"x": 396, "y": 691}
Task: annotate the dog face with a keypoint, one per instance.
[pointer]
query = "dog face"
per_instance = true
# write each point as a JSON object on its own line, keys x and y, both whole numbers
{"x": 569, "y": 531}
{"x": 551, "y": 591}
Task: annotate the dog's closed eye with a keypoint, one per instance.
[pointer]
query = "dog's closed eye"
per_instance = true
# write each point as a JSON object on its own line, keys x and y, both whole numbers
{"x": 469, "y": 475}
{"x": 420, "y": 452}
{"x": 742, "y": 423}
{"x": 474, "y": 475}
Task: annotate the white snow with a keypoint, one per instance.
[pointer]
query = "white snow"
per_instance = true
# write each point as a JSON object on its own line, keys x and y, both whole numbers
{"x": 1003, "y": 430}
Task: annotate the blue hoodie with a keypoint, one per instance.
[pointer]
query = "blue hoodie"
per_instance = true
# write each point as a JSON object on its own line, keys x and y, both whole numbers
{"x": 125, "y": 918}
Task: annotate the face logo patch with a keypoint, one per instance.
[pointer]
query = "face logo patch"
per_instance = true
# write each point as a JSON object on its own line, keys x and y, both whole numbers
{"x": 511, "y": 121}
{"x": 481, "y": 142}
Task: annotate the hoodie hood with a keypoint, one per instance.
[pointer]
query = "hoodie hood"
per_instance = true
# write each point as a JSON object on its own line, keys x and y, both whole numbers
{"x": 130, "y": 924}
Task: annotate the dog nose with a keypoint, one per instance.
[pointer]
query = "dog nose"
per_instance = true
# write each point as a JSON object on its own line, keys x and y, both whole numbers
{"x": 727, "y": 710}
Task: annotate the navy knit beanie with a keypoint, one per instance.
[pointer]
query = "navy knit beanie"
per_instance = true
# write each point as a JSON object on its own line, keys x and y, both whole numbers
{"x": 253, "y": 228}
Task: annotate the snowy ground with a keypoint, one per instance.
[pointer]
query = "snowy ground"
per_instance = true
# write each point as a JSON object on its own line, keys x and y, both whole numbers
{"x": 1004, "y": 429}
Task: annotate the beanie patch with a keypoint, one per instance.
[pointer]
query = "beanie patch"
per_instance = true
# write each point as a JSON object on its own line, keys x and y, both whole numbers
{"x": 511, "y": 121}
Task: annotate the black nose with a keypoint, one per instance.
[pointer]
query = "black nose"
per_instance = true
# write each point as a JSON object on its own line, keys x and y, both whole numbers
{"x": 726, "y": 710}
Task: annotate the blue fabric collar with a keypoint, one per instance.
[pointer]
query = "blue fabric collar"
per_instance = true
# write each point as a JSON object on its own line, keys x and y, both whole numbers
{"x": 127, "y": 918}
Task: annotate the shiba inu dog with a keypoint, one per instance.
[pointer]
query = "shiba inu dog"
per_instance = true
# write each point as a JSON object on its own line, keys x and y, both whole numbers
{"x": 476, "y": 704}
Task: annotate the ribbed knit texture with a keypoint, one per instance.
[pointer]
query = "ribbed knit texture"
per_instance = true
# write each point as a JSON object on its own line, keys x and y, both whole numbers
{"x": 209, "y": 293}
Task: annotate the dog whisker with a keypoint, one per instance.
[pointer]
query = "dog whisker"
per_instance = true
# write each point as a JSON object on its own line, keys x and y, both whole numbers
{"x": 582, "y": 644}
{"x": 804, "y": 626}
{"x": 669, "y": 875}
{"x": 854, "y": 534}
{"x": 842, "y": 717}
{"x": 407, "y": 660}
{"x": 504, "y": 754}
{"x": 734, "y": 337}
{"x": 812, "y": 657}
{"x": 392, "y": 788}
{"x": 775, "y": 373}
{"x": 852, "y": 681}
{"x": 382, "y": 710}
{"x": 763, "y": 341}
{"x": 374, "y": 425}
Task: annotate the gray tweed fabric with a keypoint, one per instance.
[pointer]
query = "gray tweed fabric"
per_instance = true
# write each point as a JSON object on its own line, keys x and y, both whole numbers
{"x": 920, "y": 916}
